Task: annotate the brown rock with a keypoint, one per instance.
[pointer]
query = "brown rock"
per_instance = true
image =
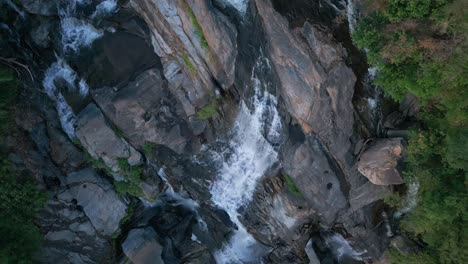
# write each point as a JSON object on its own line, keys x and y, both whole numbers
{"x": 379, "y": 162}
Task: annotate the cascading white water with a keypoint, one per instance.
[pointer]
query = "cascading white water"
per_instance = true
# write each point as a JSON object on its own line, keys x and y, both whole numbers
{"x": 240, "y": 5}
{"x": 60, "y": 70}
{"x": 250, "y": 156}
{"x": 77, "y": 34}
{"x": 351, "y": 15}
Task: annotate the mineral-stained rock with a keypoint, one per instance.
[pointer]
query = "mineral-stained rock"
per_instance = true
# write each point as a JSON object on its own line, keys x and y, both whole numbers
{"x": 101, "y": 141}
{"x": 379, "y": 161}
{"x": 146, "y": 112}
{"x": 318, "y": 97}
{"x": 197, "y": 46}
{"x": 141, "y": 246}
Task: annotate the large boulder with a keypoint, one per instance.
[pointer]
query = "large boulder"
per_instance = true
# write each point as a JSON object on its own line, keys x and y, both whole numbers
{"x": 380, "y": 160}
{"x": 316, "y": 177}
{"x": 101, "y": 141}
{"x": 146, "y": 112}
{"x": 97, "y": 198}
{"x": 141, "y": 246}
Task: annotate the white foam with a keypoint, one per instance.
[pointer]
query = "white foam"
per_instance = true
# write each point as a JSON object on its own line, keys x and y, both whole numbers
{"x": 60, "y": 70}
{"x": 77, "y": 34}
{"x": 105, "y": 8}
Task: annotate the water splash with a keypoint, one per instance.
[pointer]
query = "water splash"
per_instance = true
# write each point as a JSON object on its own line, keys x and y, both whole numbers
{"x": 251, "y": 154}
{"x": 341, "y": 248}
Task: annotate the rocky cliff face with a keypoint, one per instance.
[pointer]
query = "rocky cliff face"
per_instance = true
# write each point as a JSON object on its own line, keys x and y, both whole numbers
{"x": 159, "y": 88}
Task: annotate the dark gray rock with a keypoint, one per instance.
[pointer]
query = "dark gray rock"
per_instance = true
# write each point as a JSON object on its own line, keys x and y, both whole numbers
{"x": 141, "y": 246}
{"x": 40, "y": 7}
{"x": 316, "y": 178}
{"x": 86, "y": 188}
{"x": 100, "y": 140}
{"x": 146, "y": 112}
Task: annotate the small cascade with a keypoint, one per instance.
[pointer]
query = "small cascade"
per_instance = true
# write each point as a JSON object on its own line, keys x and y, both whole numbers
{"x": 250, "y": 155}
{"x": 105, "y": 8}
{"x": 341, "y": 248}
{"x": 411, "y": 200}
{"x": 60, "y": 70}
{"x": 240, "y": 5}
{"x": 76, "y": 33}
{"x": 351, "y": 15}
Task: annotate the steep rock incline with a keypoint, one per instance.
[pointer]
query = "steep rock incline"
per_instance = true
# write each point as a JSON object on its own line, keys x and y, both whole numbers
{"x": 197, "y": 47}
{"x": 316, "y": 85}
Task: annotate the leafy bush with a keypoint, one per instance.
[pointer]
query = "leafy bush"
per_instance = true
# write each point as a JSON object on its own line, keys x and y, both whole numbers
{"x": 20, "y": 200}
{"x": 132, "y": 175}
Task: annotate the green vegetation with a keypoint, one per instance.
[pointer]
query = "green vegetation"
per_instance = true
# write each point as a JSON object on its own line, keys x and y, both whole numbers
{"x": 124, "y": 222}
{"x": 148, "y": 149}
{"x": 196, "y": 26}
{"x": 209, "y": 110}
{"x": 132, "y": 175}
{"x": 20, "y": 200}
{"x": 96, "y": 164}
{"x": 8, "y": 92}
{"x": 188, "y": 63}
{"x": 420, "y": 47}
{"x": 292, "y": 186}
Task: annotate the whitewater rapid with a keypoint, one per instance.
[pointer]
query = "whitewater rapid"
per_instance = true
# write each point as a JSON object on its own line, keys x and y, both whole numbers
{"x": 251, "y": 154}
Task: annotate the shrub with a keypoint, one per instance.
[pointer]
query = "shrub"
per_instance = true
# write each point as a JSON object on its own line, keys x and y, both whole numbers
{"x": 132, "y": 175}
{"x": 209, "y": 110}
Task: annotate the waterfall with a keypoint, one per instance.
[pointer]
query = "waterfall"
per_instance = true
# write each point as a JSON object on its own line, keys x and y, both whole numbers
{"x": 250, "y": 155}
